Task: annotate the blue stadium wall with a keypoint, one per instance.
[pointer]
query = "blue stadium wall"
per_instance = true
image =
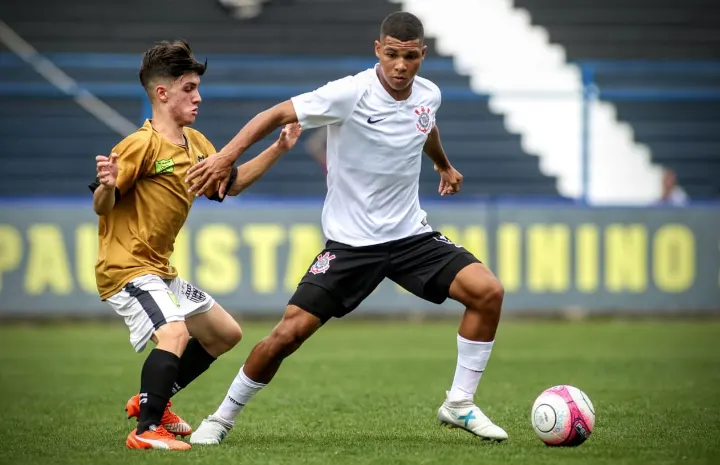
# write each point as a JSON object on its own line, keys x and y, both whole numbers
{"x": 250, "y": 255}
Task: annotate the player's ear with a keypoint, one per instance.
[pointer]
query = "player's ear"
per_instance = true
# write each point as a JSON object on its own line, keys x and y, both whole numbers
{"x": 378, "y": 47}
{"x": 424, "y": 50}
{"x": 161, "y": 93}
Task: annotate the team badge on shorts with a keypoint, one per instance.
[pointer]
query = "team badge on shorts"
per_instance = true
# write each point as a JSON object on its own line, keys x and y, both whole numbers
{"x": 193, "y": 294}
{"x": 424, "y": 122}
{"x": 322, "y": 264}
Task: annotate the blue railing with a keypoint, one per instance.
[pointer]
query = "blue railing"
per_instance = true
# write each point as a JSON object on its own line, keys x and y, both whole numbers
{"x": 592, "y": 72}
{"x": 593, "y": 91}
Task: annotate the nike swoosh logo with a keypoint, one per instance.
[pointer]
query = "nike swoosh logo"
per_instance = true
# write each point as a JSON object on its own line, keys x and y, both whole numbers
{"x": 373, "y": 121}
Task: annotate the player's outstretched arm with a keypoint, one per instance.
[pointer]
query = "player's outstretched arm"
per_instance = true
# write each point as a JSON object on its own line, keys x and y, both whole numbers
{"x": 204, "y": 176}
{"x": 450, "y": 178}
{"x": 252, "y": 170}
{"x": 107, "y": 173}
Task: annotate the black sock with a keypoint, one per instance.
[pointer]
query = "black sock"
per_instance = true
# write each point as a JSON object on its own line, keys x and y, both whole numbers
{"x": 194, "y": 361}
{"x": 156, "y": 381}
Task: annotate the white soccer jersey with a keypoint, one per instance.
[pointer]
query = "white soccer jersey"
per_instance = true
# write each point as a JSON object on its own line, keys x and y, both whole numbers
{"x": 374, "y": 154}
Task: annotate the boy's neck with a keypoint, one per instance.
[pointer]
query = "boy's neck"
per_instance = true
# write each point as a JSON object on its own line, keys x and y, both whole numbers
{"x": 168, "y": 128}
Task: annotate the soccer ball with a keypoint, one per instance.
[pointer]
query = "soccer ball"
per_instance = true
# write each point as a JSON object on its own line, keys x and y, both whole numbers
{"x": 563, "y": 416}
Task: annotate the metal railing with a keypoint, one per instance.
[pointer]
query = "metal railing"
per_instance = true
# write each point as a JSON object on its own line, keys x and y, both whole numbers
{"x": 592, "y": 89}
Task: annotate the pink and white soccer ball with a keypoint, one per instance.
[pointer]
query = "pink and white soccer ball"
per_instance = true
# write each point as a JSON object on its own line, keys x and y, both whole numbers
{"x": 563, "y": 416}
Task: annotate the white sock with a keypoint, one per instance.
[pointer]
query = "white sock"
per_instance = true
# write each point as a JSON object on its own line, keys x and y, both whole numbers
{"x": 241, "y": 391}
{"x": 472, "y": 360}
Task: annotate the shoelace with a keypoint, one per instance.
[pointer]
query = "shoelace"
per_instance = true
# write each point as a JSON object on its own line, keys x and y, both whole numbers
{"x": 160, "y": 430}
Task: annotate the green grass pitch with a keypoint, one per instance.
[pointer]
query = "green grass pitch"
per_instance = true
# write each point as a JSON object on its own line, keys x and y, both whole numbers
{"x": 367, "y": 393}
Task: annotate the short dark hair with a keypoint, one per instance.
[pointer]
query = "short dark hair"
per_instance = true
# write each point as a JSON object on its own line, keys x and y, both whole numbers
{"x": 402, "y": 26}
{"x": 169, "y": 60}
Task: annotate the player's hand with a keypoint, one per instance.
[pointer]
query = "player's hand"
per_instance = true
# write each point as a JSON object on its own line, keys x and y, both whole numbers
{"x": 450, "y": 181}
{"x": 107, "y": 170}
{"x": 289, "y": 136}
{"x": 204, "y": 176}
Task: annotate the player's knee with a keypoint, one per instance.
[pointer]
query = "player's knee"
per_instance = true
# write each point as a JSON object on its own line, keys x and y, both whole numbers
{"x": 493, "y": 293}
{"x": 232, "y": 336}
{"x": 485, "y": 293}
{"x": 173, "y": 335}
{"x": 293, "y": 330}
{"x": 286, "y": 338}
{"x": 224, "y": 341}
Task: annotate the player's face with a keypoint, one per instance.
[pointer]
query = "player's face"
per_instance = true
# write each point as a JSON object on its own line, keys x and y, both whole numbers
{"x": 399, "y": 61}
{"x": 183, "y": 99}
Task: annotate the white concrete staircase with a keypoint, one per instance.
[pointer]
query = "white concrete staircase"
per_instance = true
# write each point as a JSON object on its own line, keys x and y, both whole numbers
{"x": 540, "y": 95}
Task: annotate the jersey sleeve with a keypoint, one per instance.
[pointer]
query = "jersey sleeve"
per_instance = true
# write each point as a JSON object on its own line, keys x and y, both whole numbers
{"x": 330, "y": 104}
{"x": 133, "y": 155}
{"x": 209, "y": 148}
{"x": 93, "y": 186}
{"x": 438, "y": 102}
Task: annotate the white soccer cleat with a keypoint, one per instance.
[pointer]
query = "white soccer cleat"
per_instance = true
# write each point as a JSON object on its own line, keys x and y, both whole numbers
{"x": 211, "y": 431}
{"x": 466, "y": 415}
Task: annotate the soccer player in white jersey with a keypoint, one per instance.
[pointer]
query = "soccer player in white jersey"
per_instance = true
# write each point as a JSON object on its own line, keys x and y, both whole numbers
{"x": 379, "y": 122}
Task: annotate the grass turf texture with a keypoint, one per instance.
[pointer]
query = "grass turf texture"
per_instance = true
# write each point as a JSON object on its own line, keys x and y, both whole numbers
{"x": 367, "y": 393}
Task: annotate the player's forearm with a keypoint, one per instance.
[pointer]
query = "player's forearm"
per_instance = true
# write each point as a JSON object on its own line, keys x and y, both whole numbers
{"x": 260, "y": 126}
{"x": 434, "y": 149}
{"x": 103, "y": 199}
{"x": 250, "y": 171}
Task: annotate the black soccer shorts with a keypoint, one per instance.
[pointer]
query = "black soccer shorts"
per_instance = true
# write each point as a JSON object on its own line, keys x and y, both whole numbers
{"x": 343, "y": 276}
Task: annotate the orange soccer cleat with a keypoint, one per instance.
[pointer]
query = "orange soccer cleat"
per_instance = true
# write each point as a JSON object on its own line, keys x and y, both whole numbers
{"x": 171, "y": 421}
{"x": 157, "y": 438}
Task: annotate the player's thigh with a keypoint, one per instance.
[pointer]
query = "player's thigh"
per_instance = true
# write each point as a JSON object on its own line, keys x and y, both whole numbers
{"x": 426, "y": 265}
{"x": 146, "y": 304}
{"x": 216, "y": 330}
{"x": 339, "y": 279}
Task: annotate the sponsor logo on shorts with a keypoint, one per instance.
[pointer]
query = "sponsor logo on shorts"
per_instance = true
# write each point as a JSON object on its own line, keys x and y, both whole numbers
{"x": 173, "y": 298}
{"x": 322, "y": 264}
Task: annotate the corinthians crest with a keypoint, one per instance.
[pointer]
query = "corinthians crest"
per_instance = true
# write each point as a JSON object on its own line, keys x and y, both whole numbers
{"x": 424, "y": 121}
{"x": 322, "y": 264}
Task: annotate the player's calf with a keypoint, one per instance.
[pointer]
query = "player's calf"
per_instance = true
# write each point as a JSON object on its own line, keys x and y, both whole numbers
{"x": 159, "y": 374}
{"x": 482, "y": 294}
{"x": 293, "y": 330}
{"x": 260, "y": 367}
